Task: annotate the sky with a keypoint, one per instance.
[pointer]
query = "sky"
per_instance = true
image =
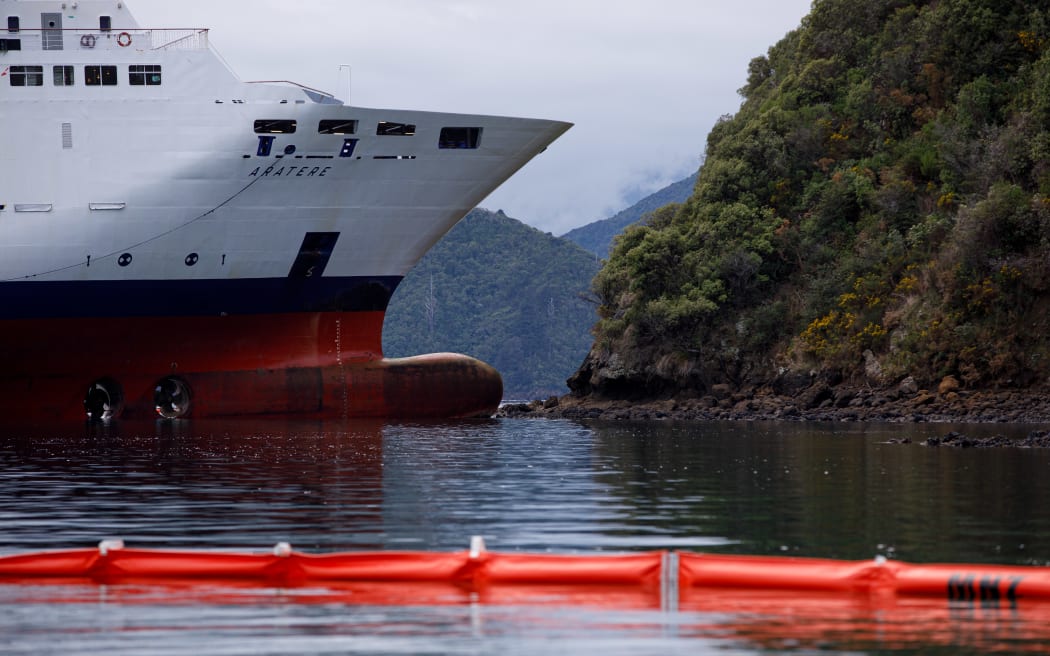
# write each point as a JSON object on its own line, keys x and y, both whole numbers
{"x": 643, "y": 81}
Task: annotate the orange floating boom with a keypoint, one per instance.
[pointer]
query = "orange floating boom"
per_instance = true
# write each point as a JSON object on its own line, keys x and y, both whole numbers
{"x": 669, "y": 574}
{"x": 962, "y": 582}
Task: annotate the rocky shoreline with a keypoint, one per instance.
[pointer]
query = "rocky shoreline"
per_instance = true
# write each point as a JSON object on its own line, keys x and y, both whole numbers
{"x": 1038, "y": 439}
{"x": 904, "y": 403}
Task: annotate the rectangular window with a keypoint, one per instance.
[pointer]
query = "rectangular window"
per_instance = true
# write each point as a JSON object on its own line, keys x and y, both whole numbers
{"x": 12, "y": 24}
{"x": 459, "y": 138}
{"x": 63, "y": 76}
{"x": 105, "y": 24}
{"x": 144, "y": 75}
{"x": 275, "y": 126}
{"x": 10, "y": 44}
{"x": 27, "y": 76}
{"x": 337, "y": 126}
{"x": 105, "y": 76}
{"x": 265, "y": 145}
{"x": 388, "y": 129}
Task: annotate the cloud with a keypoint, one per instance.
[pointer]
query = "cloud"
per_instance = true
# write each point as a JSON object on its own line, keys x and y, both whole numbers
{"x": 643, "y": 82}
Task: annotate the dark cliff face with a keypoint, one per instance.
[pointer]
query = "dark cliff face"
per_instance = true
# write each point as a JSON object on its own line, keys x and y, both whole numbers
{"x": 879, "y": 208}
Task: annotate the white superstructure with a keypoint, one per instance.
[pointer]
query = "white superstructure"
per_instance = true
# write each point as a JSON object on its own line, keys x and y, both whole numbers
{"x": 132, "y": 153}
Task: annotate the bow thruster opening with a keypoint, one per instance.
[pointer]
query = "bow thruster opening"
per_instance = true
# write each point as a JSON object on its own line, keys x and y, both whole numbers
{"x": 171, "y": 397}
{"x": 104, "y": 400}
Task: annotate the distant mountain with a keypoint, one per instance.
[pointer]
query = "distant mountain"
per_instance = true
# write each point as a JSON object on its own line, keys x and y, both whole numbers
{"x": 503, "y": 292}
{"x": 597, "y": 237}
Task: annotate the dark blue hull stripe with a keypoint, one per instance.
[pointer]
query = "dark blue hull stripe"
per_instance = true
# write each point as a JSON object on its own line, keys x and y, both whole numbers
{"x": 181, "y": 298}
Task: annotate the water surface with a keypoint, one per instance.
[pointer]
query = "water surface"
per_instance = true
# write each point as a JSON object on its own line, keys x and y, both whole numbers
{"x": 816, "y": 490}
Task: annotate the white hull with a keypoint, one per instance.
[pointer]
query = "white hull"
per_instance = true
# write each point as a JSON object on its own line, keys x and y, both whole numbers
{"x": 173, "y": 169}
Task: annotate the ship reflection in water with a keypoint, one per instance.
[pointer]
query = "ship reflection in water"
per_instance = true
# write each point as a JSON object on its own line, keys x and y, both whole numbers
{"x": 233, "y": 483}
{"x": 532, "y": 486}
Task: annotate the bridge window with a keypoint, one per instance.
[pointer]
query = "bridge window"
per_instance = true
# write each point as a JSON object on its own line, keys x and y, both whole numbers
{"x": 12, "y": 24}
{"x": 459, "y": 138}
{"x": 105, "y": 76}
{"x": 63, "y": 76}
{"x": 388, "y": 129}
{"x": 275, "y": 126}
{"x": 27, "y": 76}
{"x": 144, "y": 75}
{"x": 337, "y": 126}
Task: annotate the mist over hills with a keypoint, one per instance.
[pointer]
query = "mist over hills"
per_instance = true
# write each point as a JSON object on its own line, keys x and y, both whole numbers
{"x": 597, "y": 237}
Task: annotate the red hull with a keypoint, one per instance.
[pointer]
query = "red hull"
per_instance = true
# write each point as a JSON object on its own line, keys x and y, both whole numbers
{"x": 319, "y": 364}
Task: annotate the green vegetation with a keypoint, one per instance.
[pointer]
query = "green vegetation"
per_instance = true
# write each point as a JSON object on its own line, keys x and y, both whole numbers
{"x": 597, "y": 237}
{"x": 502, "y": 292}
{"x": 882, "y": 195}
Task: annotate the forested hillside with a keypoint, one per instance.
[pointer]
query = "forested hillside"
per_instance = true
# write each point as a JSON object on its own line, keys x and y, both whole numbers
{"x": 597, "y": 237}
{"x": 879, "y": 207}
{"x": 502, "y": 292}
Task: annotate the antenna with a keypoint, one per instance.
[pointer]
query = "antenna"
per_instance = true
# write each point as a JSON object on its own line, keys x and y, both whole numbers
{"x": 349, "y": 73}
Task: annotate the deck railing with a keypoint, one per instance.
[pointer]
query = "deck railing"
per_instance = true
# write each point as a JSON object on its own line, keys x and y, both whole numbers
{"x": 107, "y": 40}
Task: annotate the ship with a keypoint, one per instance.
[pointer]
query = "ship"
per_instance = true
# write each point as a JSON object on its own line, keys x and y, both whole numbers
{"x": 176, "y": 242}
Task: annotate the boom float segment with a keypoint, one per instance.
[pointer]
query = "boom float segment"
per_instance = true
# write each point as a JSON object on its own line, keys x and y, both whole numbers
{"x": 113, "y": 564}
{"x": 875, "y": 577}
